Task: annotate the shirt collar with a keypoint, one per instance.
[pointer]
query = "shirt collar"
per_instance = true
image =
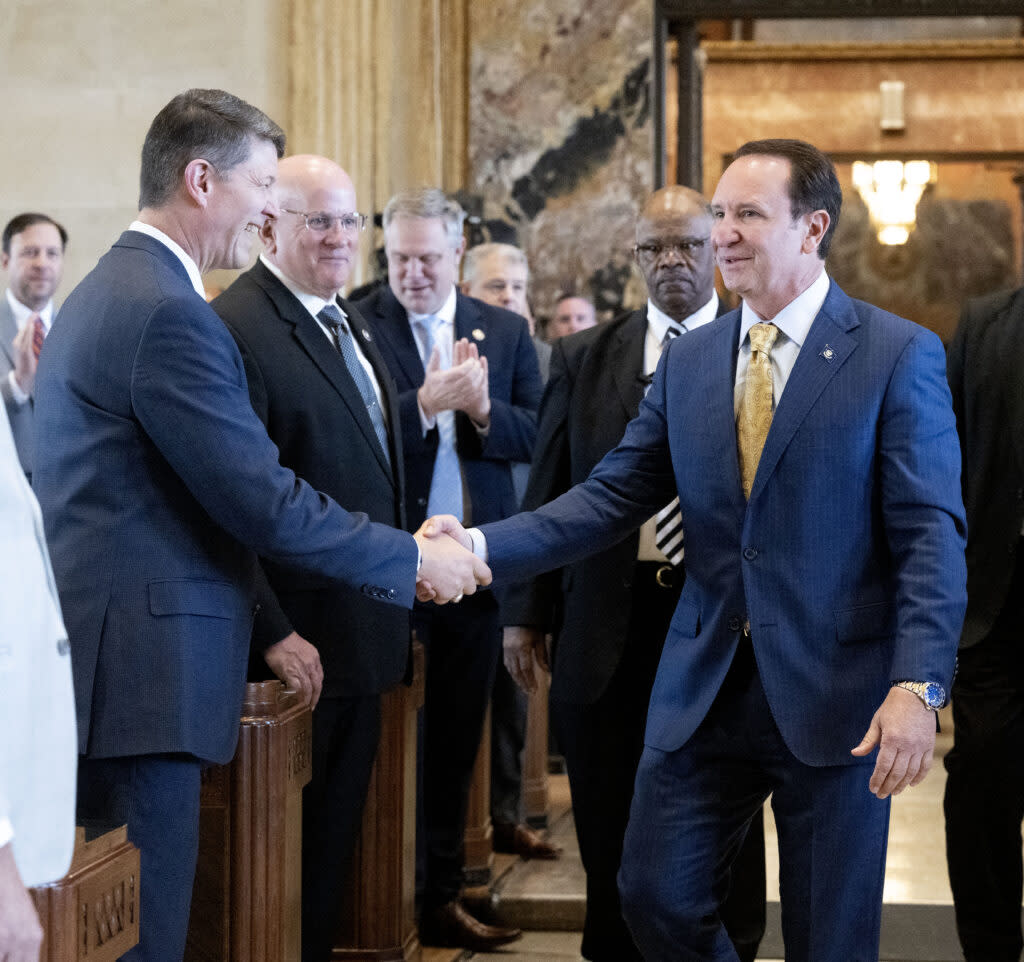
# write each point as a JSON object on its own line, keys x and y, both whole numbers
{"x": 311, "y": 302}
{"x": 22, "y": 313}
{"x": 177, "y": 250}
{"x": 445, "y": 313}
{"x": 658, "y": 322}
{"x": 796, "y": 318}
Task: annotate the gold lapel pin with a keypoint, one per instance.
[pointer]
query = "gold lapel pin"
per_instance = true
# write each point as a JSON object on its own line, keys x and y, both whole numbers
{"x": 478, "y": 335}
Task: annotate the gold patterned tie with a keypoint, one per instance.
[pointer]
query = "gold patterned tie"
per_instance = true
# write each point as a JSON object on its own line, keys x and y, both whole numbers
{"x": 755, "y": 414}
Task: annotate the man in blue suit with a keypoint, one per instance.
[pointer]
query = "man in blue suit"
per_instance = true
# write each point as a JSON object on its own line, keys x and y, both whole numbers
{"x": 811, "y": 442}
{"x": 468, "y": 392}
{"x": 159, "y": 486}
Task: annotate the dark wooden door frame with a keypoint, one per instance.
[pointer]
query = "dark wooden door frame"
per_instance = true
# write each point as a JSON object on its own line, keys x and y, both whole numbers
{"x": 677, "y": 19}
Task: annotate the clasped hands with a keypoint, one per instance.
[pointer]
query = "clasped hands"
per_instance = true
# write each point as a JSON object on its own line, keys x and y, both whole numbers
{"x": 448, "y": 569}
{"x": 463, "y": 387}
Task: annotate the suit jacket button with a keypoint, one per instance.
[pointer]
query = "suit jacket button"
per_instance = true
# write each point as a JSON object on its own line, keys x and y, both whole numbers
{"x": 422, "y": 502}
{"x": 391, "y": 592}
{"x": 735, "y": 623}
{"x": 750, "y": 553}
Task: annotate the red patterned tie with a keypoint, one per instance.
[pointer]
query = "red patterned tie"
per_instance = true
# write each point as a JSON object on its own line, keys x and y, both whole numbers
{"x": 38, "y": 336}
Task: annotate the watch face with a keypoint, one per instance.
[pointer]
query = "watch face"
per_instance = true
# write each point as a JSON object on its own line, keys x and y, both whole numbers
{"x": 934, "y": 696}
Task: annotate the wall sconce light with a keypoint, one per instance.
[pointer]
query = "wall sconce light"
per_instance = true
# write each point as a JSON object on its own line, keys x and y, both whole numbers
{"x": 891, "y": 96}
{"x": 891, "y": 190}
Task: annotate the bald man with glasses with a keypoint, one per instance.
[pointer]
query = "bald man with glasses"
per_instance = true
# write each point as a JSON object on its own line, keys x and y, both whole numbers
{"x": 319, "y": 385}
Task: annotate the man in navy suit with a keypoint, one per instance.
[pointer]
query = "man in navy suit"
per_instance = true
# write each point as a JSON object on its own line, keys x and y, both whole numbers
{"x": 611, "y": 612}
{"x": 811, "y": 442}
{"x": 468, "y": 391}
{"x": 159, "y": 485}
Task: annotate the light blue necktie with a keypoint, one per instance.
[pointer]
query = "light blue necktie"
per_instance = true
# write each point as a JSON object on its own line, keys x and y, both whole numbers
{"x": 446, "y": 483}
{"x": 331, "y": 316}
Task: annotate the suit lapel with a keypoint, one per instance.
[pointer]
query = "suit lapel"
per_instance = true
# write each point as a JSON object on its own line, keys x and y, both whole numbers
{"x": 718, "y": 370}
{"x": 8, "y": 329}
{"x": 469, "y": 322}
{"x": 829, "y": 343}
{"x": 395, "y": 330}
{"x": 1006, "y": 366}
{"x": 314, "y": 342}
{"x": 627, "y": 351}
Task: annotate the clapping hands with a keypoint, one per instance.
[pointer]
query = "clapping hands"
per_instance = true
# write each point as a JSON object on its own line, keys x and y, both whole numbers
{"x": 463, "y": 387}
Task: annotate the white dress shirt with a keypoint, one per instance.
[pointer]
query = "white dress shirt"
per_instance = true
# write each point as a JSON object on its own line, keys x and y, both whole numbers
{"x": 793, "y": 322}
{"x": 191, "y": 268}
{"x": 315, "y": 304}
{"x": 444, "y": 340}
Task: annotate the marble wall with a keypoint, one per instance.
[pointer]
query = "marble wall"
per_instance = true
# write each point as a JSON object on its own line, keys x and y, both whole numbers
{"x": 81, "y": 82}
{"x": 560, "y": 139}
{"x": 964, "y": 107}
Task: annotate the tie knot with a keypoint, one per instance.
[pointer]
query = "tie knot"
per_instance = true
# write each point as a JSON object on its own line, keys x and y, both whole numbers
{"x": 331, "y": 316}
{"x": 762, "y": 337}
{"x": 671, "y": 333}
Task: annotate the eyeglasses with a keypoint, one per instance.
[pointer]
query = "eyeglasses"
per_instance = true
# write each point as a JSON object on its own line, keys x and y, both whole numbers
{"x": 320, "y": 222}
{"x": 684, "y": 248}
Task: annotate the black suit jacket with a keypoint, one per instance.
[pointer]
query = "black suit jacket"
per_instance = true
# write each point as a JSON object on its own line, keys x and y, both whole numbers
{"x": 984, "y": 369}
{"x": 594, "y": 390}
{"x": 515, "y": 388}
{"x": 302, "y": 391}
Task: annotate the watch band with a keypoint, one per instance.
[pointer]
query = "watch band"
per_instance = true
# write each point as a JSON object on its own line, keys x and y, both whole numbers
{"x": 932, "y": 695}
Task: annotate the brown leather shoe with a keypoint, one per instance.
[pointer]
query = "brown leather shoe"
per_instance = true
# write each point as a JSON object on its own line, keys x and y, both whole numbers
{"x": 523, "y": 841}
{"x": 451, "y": 925}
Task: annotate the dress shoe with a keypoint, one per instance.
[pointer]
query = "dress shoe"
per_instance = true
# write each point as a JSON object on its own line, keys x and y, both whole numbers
{"x": 523, "y": 841}
{"x": 451, "y": 925}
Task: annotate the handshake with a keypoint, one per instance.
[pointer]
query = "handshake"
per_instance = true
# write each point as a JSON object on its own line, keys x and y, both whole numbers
{"x": 448, "y": 568}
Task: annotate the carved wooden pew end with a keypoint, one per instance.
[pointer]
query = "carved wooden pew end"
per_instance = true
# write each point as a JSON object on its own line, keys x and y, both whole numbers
{"x": 92, "y": 913}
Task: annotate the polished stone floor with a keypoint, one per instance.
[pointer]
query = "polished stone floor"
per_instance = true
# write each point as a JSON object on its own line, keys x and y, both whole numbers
{"x": 546, "y": 898}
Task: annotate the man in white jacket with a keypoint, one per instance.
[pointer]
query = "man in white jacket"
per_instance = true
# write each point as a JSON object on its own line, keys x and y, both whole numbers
{"x": 37, "y": 715}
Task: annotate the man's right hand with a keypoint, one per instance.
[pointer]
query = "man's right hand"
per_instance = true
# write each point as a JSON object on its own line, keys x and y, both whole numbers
{"x": 525, "y": 650}
{"x": 448, "y": 570}
{"x": 297, "y": 663}
{"x": 20, "y": 932}
{"x": 25, "y": 358}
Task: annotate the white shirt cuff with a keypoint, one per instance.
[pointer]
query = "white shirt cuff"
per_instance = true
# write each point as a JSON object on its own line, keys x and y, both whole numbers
{"x": 479, "y": 543}
{"x": 20, "y": 397}
{"x": 426, "y": 423}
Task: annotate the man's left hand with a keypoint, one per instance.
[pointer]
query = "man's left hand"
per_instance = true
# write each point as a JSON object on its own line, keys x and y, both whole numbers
{"x": 477, "y": 402}
{"x": 905, "y": 730}
{"x": 297, "y": 663}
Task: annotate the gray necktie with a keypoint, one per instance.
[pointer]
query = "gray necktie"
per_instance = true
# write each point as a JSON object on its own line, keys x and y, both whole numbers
{"x": 332, "y": 318}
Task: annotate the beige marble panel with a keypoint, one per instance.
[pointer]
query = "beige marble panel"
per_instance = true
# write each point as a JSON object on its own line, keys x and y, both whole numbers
{"x": 82, "y": 82}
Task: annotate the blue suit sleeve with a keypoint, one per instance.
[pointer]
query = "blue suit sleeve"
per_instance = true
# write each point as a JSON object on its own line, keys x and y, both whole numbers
{"x": 919, "y": 454}
{"x": 189, "y": 392}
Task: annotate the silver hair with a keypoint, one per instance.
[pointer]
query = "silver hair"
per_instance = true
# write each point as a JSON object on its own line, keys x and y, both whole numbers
{"x": 427, "y": 203}
{"x": 476, "y": 255}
